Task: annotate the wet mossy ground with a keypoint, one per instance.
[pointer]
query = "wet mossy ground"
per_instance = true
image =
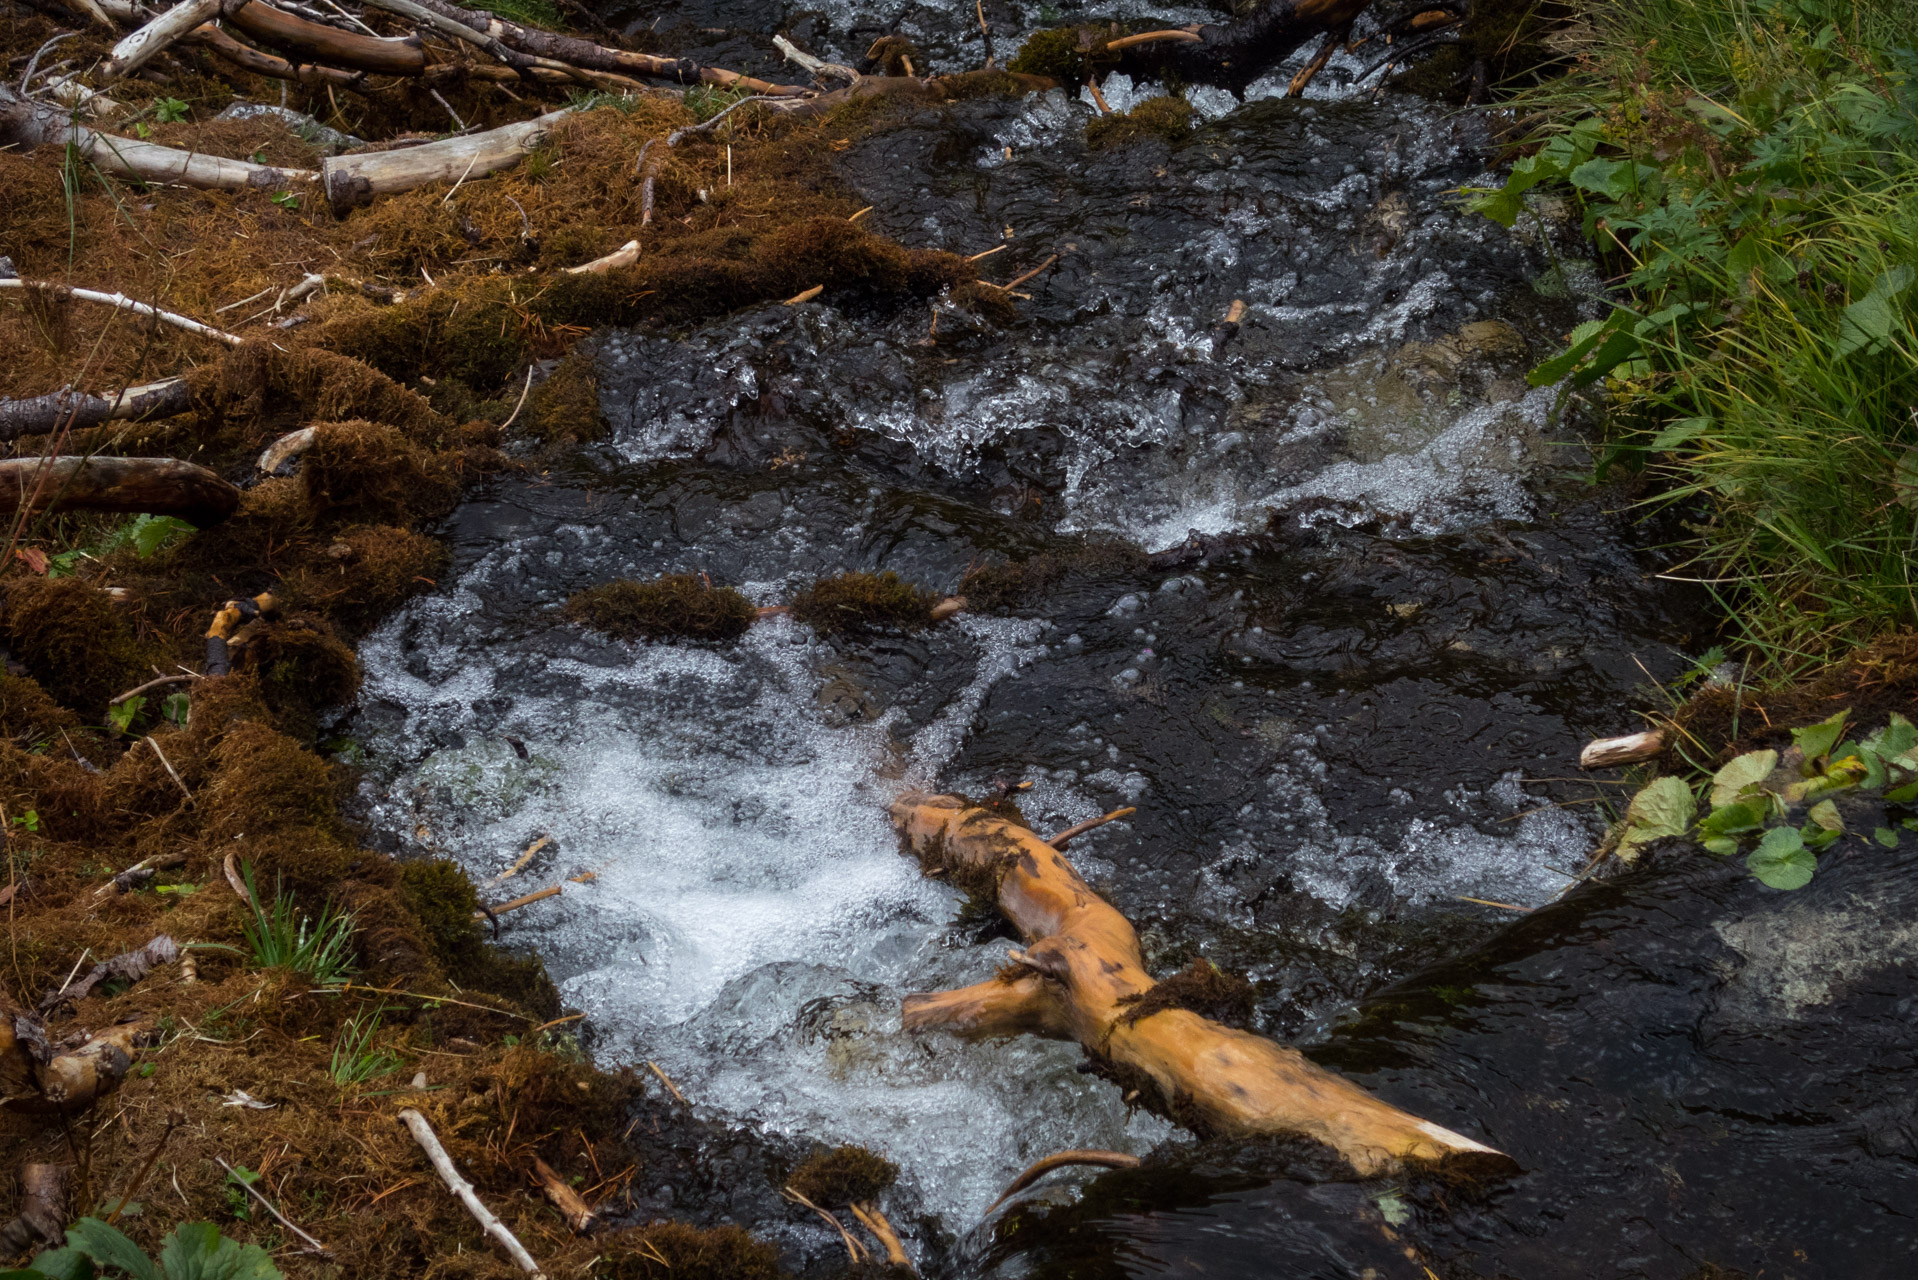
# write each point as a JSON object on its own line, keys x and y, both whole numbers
{"x": 843, "y": 1176}
{"x": 1168, "y": 118}
{"x": 674, "y": 606}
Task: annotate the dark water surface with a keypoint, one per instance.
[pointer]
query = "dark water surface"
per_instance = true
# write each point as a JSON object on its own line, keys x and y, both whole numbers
{"x": 1336, "y": 611}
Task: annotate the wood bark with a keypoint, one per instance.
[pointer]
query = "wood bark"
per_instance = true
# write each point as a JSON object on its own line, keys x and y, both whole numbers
{"x": 40, "y": 414}
{"x": 1610, "y": 753}
{"x": 316, "y": 42}
{"x": 152, "y": 486}
{"x": 261, "y": 63}
{"x": 42, "y": 1219}
{"x": 26, "y": 124}
{"x": 1083, "y": 969}
{"x": 579, "y": 1217}
{"x": 350, "y": 181}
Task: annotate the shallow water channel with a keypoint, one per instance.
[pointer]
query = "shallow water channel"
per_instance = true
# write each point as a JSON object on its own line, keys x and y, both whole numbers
{"x": 1345, "y": 696}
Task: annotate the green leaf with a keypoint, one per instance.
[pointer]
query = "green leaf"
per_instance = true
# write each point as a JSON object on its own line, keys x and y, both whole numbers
{"x": 196, "y": 1251}
{"x": 1731, "y": 819}
{"x": 1903, "y": 795}
{"x": 58, "y": 1264}
{"x": 1723, "y": 846}
{"x": 1743, "y": 771}
{"x": 107, "y": 1247}
{"x": 1896, "y": 739}
{"x": 1886, "y": 836}
{"x": 149, "y": 534}
{"x": 1662, "y": 809}
{"x": 169, "y": 110}
{"x": 1817, "y": 740}
{"x": 1825, "y": 814}
{"x": 1869, "y": 323}
{"x": 1679, "y": 432}
{"x": 1619, "y": 347}
{"x": 1781, "y": 860}
{"x": 123, "y": 713}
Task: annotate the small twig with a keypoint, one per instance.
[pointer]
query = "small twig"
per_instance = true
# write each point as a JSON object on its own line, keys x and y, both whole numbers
{"x": 168, "y": 765}
{"x": 1059, "y": 1160}
{"x": 1098, "y": 99}
{"x": 1152, "y": 37}
{"x": 1059, "y": 841}
{"x": 672, "y": 139}
{"x": 463, "y": 1190}
{"x": 984, "y": 31}
{"x": 458, "y": 123}
{"x": 234, "y": 306}
{"x": 875, "y": 1222}
{"x": 519, "y": 863}
{"x": 666, "y": 1080}
{"x": 858, "y": 1251}
{"x": 805, "y": 295}
{"x": 34, "y": 61}
{"x": 1487, "y": 902}
{"x": 549, "y": 891}
{"x": 524, "y": 392}
{"x": 124, "y": 303}
{"x": 1014, "y": 283}
{"x": 154, "y": 684}
{"x": 250, "y": 1189}
{"x": 456, "y": 186}
{"x": 986, "y": 253}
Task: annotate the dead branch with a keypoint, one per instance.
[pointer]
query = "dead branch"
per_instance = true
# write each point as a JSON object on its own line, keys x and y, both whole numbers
{"x": 1609, "y": 753}
{"x": 463, "y": 1190}
{"x": 624, "y": 256}
{"x": 351, "y": 181}
{"x": 42, "y": 1219}
{"x": 153, "y": 486}
{"x": 285, "y": 449}
{"x": 26, "y": 124}
{"x": 1060, "y": 1160}
{"x": 579, "y": 1216}
{"x": 139, "y": 873}
{"x": 76, "y": 410}
{"x": 538, "y": 895}
{"x": 314, "y": 1247}
{"x": 1085, "y": 970}
{"x": 60, "y": 292}
{"x": 856, "y": 1251}
{"x": 128, "y": 966}
{"x": 1065, "y": 837}
{"x": 141, "y": 47}
{"x": 260, "y": 63}
{"x": 875, "y": 1222}
{"x": 307, "y": 42}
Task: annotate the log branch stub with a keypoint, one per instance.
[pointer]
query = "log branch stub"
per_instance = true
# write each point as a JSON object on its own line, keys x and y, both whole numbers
{"x": 351, "y": 181}
{"x": 462, "y": 1190}
{"x": 305, "y": 41}
{"x": 150, "y": 486}
{"x": 42, "y": 1219}
{"x": 77, "y": 411}
{"x": 1083, "y": 969}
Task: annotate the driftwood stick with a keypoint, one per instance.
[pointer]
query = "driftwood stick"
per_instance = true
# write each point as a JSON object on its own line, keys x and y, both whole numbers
{"x": 1065, "y": 837}
{"x": 1085, "y": 973}
{"x": 154, "y": 486}
{"x": 140, "y": 48}
{"x": 26, "y": 124}
{"x": 551, "y": 890}
{"x": 579, "y": 1216}
{"x": 120, "y": 300}
{"x": 1060, "y": 1160}
{"x": 261, "y": 63}
{"x": 77, "y": 410}
{"x": 310, "y": 42}
{"x": 815, "y": 66}
{"x": 350, "y": 181}
{"x": 624, "y": 256}
{"x": 875, "y": 1222}
{"x": 1609, "y": 753}
{"x": 463, "y": 1190}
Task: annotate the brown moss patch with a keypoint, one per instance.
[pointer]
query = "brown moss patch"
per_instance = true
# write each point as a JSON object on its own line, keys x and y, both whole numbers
{"x": 1167, "y": 118}
{"x": 1021, "y": 584}
{"x": 28, "y": 715}
{"x": 677, "y": 1251}
{"x": 564, "y": 409}
{"x": 672, "y": 606}
{"x": 863, "y": 601}
{"x": 302, "y": 668}
{"x": 1202, "y": 988}
{"x": 73, "y": 640}
{"x": 368, "y": 472}
{"x": 842, "y": 1176}
{"x": 364, "y": 573}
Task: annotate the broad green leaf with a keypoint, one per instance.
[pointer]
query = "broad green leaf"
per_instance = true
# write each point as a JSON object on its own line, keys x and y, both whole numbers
{"x": 150, "y": 533}
{"x": 1584, "y": 338}
{"x": 1743, "y": 771}
{"x": 1903, "y": 795}
{"x": 1723, "y": 846}
{"x": 1825, "y": 814}
{"x": 107, "y": 1247}
{"x": 1730, "y": 819}
{"x": 1781, "y": 860}
{"x": 1617, "y": 348}
{"x": 1817, "y": 740}
{"x": 1886, "y": 836}
{"x": 196, "y": 1251}
{"x": 1897, "y": 738}
{"x": 1662, "y": 809}
{"x": 1869, "y": 323}
{"x": 59, "y": 1264}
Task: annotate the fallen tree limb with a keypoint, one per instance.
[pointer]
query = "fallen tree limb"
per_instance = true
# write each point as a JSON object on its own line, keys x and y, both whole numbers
{"x": 1083, "y": 969}
{"x": 443, "y": 1165}
{"x": 136, "y": 486}
{"x": 261, "y": 63}
{"x": 1061, "y": 1160}
{"x": 77, "y": 410}
{"x": 874, "y": 1221}
{"x": 120, "y": 300}
{"x": 351, "y": 181}
{"x": 147, "y": 43}
{"x": 1634, "y": 748}
{"x": 315, "y": 42}
{"x": 26, "y": 124}
{"x": 42, "y": 1219}
{"x": 579, "y": 1217}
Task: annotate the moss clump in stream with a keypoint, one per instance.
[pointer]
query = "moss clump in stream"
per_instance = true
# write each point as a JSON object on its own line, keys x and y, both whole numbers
{"x": 1202, "y": 988}
{"x": 1163, "y": 117}
{"x": 677, "y": 1251}
{"x": 675, "y": 606}
{"x": 863, "y": 601}
{"x": 842, "y": 1176}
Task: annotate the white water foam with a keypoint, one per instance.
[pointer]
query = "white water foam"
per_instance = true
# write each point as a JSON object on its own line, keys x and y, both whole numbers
{"x": 752, "y": 924}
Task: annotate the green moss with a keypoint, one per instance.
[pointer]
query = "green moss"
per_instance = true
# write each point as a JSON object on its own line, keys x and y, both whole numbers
{"x": 862, "y": 601}
{"x": 1200, "y": 987}
{"x": 1059, "y": 53}
{"x": 673, "y": 606}
{"x": 1163, "y": 117}
{"x": 441, "y": 897}
{"x": 73, "y": 640}
{"x": 679, "y": 1251}
{"x": 842, "y": 1176}
{"x": 303, "y": 668}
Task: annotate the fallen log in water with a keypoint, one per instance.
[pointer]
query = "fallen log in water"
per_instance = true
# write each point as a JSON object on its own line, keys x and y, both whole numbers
{"x": 1083, "y": 974}
{"x": 150, "y": 486}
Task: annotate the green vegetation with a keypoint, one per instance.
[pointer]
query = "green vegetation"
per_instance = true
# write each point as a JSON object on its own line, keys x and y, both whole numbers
{"x": 355, "y": 1057}
{"x": 195, "y": 1251}
{"x": 1787, "y": 804}
{"x": 283, "y": 937}
{"x": 1749, "y": 171}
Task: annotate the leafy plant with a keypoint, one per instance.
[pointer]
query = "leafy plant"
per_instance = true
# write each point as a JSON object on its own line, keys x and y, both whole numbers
{"x": 286, "y": 200}
{"x": 1758, "y": 794}
{"x": 195, "y": 1251}
{"x": 121, "y": 714}
{"x": 169, "y": 110}
{"x": 283, "y": 937}
{"x": 145, "y": 534}
{"x": 355, "y": 1059}
{"x": 238, "y": 1202}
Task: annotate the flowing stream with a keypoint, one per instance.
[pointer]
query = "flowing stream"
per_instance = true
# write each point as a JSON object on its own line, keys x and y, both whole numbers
{"x": 1336, "y": 728}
